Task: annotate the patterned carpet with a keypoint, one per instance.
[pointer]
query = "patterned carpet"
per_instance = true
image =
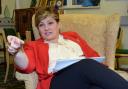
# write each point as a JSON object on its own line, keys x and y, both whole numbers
{"x": 12, "y": 83}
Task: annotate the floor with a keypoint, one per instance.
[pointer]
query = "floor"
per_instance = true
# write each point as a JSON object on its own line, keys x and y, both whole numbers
{"x": 12, "y": 83}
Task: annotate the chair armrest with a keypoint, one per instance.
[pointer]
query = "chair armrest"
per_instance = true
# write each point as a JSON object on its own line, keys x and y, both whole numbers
{"x": 29, "y": 79}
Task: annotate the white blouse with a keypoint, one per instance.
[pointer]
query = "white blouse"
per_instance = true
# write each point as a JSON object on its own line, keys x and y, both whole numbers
{"x": 64, "y": 49}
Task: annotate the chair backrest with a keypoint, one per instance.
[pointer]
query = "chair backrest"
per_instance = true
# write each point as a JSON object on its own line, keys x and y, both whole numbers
{"x": 100, "y": 31}
{"x": 8, "y": 31}
{"x": 1, "y": 41}
{"x": 2, "y": 47}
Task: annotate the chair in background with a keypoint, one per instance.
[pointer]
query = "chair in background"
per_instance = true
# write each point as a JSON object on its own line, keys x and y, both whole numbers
{"x": 5, "y": 32}
{"x": 120, "y": 52}
{"x": 2, "y": 51}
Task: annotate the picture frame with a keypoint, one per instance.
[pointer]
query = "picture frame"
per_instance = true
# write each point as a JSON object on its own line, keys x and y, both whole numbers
{"x": 81, "y": 3}
{"x": 116, "y": 0}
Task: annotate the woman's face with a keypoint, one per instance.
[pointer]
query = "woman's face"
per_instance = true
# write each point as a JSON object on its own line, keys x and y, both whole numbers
{"x": 49, "y": 29}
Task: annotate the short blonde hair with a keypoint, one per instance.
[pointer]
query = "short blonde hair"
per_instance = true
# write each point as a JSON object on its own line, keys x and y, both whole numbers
{"x": 43, "y": 13}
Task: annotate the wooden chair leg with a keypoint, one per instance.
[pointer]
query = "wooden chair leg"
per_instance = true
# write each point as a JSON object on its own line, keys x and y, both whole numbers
{"x": 7, "y": 67}
{"x": 117, "y": 63}
{"x": 14, "y": 69}
{"x": 118, "y": 66}
{"x": 14, "y": 72}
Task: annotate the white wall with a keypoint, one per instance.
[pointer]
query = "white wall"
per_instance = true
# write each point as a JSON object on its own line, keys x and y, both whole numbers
{"x": 11, "y": 5}
{"x": 125, "y": 37}
{"x": 25, "y": 3}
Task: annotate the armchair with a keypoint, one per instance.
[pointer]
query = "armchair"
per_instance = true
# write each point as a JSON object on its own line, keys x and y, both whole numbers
{"x": 100, "y": 31}
{"x": 4, "y": 33}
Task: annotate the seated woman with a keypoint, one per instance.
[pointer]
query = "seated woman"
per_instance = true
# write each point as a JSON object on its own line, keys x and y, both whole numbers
{"x": 43, "y": 54}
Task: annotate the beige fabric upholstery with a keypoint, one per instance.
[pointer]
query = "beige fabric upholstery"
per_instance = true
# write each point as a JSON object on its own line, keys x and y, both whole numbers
{"x": 29, "y": 79}
{"x": 35, "y": 31}
{"x": 99, "y": 31}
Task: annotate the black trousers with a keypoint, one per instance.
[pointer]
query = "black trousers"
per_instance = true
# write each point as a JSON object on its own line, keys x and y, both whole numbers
{"x": 88, "y": 74}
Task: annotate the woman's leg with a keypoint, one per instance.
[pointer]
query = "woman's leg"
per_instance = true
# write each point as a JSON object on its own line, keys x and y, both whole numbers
{"x": 85, "y": 74}
{"x": 69, "y": 78}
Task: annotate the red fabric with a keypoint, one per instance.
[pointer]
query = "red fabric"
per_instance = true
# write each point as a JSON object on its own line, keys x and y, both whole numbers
{"x": 37, "y": 53}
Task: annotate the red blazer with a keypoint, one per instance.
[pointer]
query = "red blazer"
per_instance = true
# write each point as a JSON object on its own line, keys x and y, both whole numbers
{"x": 37, "y": 53}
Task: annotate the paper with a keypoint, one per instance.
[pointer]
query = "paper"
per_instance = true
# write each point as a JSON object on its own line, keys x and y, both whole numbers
{"x": 98, "y": 59}
{"x": 61, "y": 64}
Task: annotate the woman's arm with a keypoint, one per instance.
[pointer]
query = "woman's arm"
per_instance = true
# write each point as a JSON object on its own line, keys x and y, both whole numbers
{"x": 15, "y": 47}
{"x": 21, "y": 59}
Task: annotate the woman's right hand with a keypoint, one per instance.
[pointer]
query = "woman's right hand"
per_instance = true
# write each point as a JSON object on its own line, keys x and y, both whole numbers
{"x": 15, "y": 44}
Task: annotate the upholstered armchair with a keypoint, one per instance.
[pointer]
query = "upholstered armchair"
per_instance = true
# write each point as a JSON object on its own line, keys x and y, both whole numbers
{"x": 100, "y": 31}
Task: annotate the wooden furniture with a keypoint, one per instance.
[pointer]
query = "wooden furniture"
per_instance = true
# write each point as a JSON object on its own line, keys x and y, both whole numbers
{"x": 2, "y": 51}
{"x": 7, "y": 56}
{"x": 4, "y": 32}
{"x": 6, "y": 23}
{"x": 23, "y": 20}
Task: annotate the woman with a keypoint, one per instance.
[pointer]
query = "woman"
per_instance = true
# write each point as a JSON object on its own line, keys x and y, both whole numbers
{"x": 43, "y": 55}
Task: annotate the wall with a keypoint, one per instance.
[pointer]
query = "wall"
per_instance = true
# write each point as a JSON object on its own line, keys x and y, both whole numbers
{"x": 108, "y": 7}
{"x": 11, "y": 5}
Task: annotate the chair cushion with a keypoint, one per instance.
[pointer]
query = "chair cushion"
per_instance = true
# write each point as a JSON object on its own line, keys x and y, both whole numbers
{"x": 122, "y": 51}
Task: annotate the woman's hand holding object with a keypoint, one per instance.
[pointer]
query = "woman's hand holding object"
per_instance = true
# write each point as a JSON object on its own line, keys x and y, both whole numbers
{"x": 14, "y": 44}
